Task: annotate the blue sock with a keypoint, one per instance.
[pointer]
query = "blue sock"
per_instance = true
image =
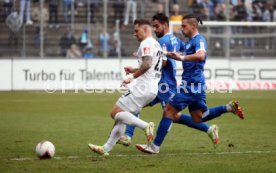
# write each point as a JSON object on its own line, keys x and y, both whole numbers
{"x": 187, "y": 120}
{"x": 130, "y": 129}
{"x": 163, "y": 129}
{"x": 213, "y": 113}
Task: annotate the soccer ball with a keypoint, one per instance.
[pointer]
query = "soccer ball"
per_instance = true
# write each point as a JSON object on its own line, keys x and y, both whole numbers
{"x": 45, "y": 150}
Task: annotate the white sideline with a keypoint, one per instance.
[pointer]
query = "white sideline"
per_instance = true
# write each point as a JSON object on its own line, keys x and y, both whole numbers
{"x": 147, "y": 155}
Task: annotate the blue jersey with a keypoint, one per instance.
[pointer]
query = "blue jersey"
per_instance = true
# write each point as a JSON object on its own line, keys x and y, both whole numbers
{"x": 193, "y": 70}
{"x": 192, "y": 91}
{"x": 172, "y": 44}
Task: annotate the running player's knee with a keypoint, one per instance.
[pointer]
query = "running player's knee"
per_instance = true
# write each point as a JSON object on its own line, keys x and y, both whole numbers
{"x": 197, "y": 119}
{"x": 168, "y": 116}
{"x": 176, "y": 117}
{"x": 175, "y": 120}
{"x": 170, "y": 112}
{"x": 116, "y": 109}
{"x": 112, "y": 114}
{"x": 197, "y": 116}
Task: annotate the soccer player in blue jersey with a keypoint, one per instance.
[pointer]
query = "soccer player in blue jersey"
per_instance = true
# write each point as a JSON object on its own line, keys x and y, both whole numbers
{"x": 191, "y": 92}
{"x": 167, "y": 84}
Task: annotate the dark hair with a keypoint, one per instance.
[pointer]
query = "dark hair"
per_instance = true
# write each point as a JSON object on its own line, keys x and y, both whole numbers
{"x": 141, "y": 22}
{"x": 162, "y": 18}
{"x": 197, "y": 18}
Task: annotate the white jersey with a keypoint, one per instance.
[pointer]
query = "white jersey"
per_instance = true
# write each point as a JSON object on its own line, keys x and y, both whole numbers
{"x": 150, "y": 47}
{"x": 143, "y": 89}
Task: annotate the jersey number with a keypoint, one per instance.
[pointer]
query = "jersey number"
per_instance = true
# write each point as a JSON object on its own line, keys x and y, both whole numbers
{"x": 126, "y": 94}
{"x": 158, "y": 66}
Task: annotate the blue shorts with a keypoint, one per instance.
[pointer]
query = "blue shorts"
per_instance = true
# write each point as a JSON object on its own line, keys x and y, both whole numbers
{"x": 194, "y": 101}
{"x": 163, "y": 98}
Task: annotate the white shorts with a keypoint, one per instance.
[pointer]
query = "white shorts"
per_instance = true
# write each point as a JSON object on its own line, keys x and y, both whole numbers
{"x": 136, "y": 98}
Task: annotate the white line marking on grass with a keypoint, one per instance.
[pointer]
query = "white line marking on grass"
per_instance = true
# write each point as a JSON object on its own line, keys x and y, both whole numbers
{"x": 21, "y": 159}
{"x": 149, "y": 155}
{"x": 51, "y": 100}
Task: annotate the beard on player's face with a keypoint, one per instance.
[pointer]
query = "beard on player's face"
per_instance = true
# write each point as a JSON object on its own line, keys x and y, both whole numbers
{"x": 158, "y": 34}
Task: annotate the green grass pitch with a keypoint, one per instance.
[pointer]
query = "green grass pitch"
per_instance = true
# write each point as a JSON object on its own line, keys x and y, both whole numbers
{"x": 72, "y": 120}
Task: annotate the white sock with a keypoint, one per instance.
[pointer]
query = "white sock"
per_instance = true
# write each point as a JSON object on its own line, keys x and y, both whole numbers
{"x": 114, "y": 136}
{"x": 228, "y": 107}
{"x": 205, "y": 114}
{"x": 128, "y": 137}
{"x": 130, "y": 119}
{"x": 209, "y": 130}
{"x": 155, "y": 147}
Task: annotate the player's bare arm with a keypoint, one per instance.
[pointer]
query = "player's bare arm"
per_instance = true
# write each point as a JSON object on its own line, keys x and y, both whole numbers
{"x": 129, "y": 69}
{"x": 146, "y": 64}
{"x": 198, "y": 56}
{"x": 135, "y": 54}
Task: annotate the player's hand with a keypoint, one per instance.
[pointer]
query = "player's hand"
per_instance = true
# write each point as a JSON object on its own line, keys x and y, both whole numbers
{"x": 125, "y": 82}
{"x": 173, "y": 55}
{"x": 129, "y": 69}
{"x": 128, "y": 79}
{"x": 135, "y": 54}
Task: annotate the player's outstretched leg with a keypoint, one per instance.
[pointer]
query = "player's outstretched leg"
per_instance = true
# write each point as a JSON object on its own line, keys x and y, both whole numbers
{"x": 210, "y": 130}
{"x": 214, "y": 112}
{"x": 188, "y": 121}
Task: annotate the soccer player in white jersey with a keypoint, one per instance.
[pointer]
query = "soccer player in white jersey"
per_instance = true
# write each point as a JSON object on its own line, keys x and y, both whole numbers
{"x": 142, "y": 83}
